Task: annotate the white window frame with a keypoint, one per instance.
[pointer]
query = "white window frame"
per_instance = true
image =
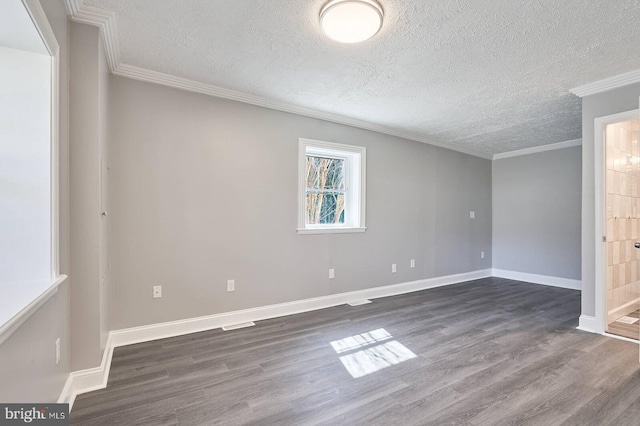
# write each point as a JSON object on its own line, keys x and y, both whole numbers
{"x": 38, "y": 16}
{"x": 355, "y": 185}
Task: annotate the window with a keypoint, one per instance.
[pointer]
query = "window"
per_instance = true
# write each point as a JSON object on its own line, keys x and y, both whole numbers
{"x": 331, "y": 188}
{"x": 28, "y": 164}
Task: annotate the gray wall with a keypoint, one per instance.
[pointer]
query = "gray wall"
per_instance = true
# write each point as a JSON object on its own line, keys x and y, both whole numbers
{"x": 536, "y": 213}
{"x": 607, "y": 103}
{"x": 28, "y": 371}
{"x": 88, "y": 138}
{"x": 204, "y": 190}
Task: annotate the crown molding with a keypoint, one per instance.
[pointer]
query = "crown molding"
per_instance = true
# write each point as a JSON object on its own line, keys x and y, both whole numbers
{"x": 142, "y": 74}
{"x": 72, "y": 6}
{"x": 106, "y": 21}
{"x": 536, "y": 149}
{"x": 607, "y": 84}
{"x": 103, "y": 19}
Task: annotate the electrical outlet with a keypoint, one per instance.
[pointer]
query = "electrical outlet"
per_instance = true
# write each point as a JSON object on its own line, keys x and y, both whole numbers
{"x": 472, "y": 215}
{"x": 231, "y": 285}
{"x": 413, "y": 263}
{"x": 332, "y": 273}
{"x": 481, "y": 255}
{"x": 57, "y": 351}
{"x": 393, "y": 268}
{"x": 157, "y": 291}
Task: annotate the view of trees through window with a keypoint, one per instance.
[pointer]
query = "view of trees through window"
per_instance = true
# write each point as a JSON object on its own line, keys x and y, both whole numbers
{"x": 325, "y": 190}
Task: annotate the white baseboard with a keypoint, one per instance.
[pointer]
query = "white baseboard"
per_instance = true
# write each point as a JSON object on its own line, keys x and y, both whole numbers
{"x": 587, "y": 323}
{"x": 538, "y": 279}
{"x": 88, "y": 380}
{"x": 147, "y": 333}
{"x": 615, "y": 336}
{"x": 96, "y": 378}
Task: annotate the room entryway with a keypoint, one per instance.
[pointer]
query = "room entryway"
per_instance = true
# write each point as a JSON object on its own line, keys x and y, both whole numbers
{"x": 622, "y": 201}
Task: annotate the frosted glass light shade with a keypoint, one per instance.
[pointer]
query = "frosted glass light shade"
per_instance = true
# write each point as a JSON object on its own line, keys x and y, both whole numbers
{"x": 351, "y": 21}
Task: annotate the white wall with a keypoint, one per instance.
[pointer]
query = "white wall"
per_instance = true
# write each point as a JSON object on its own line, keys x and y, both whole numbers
{"x": 25, "y": 177}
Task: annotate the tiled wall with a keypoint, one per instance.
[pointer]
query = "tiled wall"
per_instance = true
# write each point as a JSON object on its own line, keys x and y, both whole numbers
{"x": 623, "y": 218}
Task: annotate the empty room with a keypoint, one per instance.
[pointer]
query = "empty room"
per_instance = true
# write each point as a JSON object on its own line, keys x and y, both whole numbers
{"x": 345, "y": 212}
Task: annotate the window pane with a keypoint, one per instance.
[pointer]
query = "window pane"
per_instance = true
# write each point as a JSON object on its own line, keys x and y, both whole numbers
{"x": 325, "y": 173}
{"x": 325, "y": 208}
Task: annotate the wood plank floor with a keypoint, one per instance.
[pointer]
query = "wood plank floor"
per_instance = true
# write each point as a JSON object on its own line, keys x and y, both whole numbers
{"x": 487, "y": 352}
{"x": 632, "y": 331}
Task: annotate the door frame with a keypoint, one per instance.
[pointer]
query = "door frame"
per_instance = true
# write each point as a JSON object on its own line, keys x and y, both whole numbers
{"x": 600, "y": 212}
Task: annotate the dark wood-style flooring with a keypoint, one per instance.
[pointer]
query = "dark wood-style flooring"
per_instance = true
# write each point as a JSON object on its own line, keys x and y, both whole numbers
{"x": 632, "y": 331}
{"x": 487, "y": 352}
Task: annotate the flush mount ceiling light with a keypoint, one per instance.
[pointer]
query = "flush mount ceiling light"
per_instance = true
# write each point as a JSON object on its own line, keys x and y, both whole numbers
{"x": 351, "y": 21}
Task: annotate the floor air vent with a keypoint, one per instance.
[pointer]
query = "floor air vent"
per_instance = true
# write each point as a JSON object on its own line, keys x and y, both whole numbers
{"x": 359, "y": 302}
{"x": 237, "y": 326}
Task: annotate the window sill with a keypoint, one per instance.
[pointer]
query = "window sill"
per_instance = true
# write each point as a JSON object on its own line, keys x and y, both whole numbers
{"x": 304, "y": 231}
{"x": 11, "y": 324}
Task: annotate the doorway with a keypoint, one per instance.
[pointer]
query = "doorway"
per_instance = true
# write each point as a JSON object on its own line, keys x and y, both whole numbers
{"x": 622, "y": 214}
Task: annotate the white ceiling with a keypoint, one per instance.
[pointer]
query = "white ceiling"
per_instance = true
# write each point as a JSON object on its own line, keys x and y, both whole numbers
{"x": 486, "y": 75}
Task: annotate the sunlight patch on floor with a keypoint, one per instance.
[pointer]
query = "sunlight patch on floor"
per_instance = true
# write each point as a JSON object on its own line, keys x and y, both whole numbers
{"x": 373, "y": 358}
{"x": 360, "y": 340}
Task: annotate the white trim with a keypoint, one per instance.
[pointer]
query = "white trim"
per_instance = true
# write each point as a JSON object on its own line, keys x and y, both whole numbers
{"x": 39, "y": 18}
{"x": 192, "y": 325}
{"x": 103, "y": 19}
{"x": 610, "y": 83}
{"x": 65, "y": 394}
{"x": 9, "y": 327}
{"x": 92, "y": 379}
{"x": 600, "y": 214}
{"x": 106, "y": 21}
{"x": 536, "y": 149}
{"x": 40, "y": 21}
{"x": 149, "y": 76}
{"x": 587, "y": 323}
{"x": 626, "y": 339}
{"x": 72, "y": 6}
{"x": 538, "y": 279}
{"x": 55, "y": 164}
{"x": 304, "y": 231}
{"x": 88, "y": 380}
{"x": 355, "y": 185}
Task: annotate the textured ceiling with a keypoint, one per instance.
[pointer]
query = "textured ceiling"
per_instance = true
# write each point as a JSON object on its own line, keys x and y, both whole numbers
{"x": 487, "y": 75}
